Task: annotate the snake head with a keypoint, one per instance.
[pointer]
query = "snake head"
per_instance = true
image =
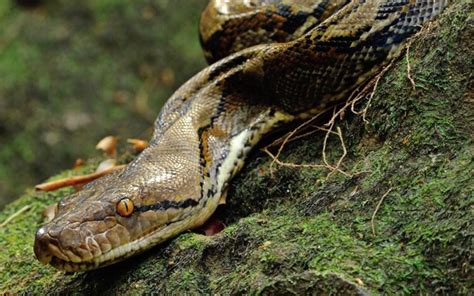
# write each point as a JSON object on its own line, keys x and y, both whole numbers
{"x": 118, "y": 216}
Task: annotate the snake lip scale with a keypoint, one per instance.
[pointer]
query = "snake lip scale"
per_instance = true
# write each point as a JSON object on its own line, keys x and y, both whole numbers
{"x": 273, "y": 62}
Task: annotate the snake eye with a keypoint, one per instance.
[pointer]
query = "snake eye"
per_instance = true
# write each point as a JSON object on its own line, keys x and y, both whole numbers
{"x": 125, "y": 207}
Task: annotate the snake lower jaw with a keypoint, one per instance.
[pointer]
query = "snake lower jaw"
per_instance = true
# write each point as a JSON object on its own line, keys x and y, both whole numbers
{"x": 104, "y": 260}
{"x": 70, "y": 266}
{"x": 70, "y": 262}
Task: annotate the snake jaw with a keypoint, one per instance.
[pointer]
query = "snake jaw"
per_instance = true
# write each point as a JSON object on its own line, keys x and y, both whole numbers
{"x": 41, "y": 247}
{"x": 47, "y": 251}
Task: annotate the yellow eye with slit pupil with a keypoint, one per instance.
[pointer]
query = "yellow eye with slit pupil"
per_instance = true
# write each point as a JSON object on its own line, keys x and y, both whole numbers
{"x": 125, "y": 207}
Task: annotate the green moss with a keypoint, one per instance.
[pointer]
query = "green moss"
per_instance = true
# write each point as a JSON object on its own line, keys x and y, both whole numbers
{"x": 17, "y": 270}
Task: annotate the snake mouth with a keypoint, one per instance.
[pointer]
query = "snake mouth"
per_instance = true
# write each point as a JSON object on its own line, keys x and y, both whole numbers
{"x": 63, "y": 260}
{"x": 108, "y": 258}
{"x": 47, "y": 251}
{"x": 70, "y": 266}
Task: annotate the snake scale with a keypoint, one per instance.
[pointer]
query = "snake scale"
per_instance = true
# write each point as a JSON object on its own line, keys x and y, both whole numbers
{"x": 311, "y": 55}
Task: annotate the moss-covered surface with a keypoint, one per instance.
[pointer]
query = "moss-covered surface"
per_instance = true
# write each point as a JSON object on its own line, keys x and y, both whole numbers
{"x": 72, "y": 72}
{"x": 299, "y": 231}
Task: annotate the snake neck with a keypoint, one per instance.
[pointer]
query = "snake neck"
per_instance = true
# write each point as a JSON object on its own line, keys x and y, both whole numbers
{"x": 216, "y": 131}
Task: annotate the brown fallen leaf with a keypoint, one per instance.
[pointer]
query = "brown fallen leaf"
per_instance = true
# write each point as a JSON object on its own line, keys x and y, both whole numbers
{"x": 265, "y": 245}
{"x": 108, "y": 145}
{"x": 105, "y": 165}
{"x": 360, "y": 282}
{"x": 137, "y": 144}
{"x": 50, "y": 212}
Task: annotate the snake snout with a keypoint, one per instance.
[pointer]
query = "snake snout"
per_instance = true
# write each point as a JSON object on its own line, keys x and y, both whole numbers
{"x": 52, "y": 242}
{"x": 42, "y": 243}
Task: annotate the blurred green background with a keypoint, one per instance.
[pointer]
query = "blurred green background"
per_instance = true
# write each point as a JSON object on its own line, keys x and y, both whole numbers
{"x": 72, "y": 72}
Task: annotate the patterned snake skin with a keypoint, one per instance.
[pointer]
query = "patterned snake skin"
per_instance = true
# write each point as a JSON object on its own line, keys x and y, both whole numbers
{"x": 205, "y": 130}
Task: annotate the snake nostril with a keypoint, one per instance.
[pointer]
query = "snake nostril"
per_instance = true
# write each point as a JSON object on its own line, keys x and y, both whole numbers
{"x": 53, "y": 230}
{"x": 42, "y": 241}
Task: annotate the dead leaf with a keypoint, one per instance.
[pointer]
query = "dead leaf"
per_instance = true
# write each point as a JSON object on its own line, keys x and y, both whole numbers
{"x": 265, "y": 245}
{"x": 137, "y": 144}
{"x": 50, "y": 212}
{"x": 108, "y": 145}
{"x": 106, "y": 165}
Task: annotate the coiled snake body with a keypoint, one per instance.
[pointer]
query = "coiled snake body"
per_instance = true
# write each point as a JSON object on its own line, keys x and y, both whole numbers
{"x": 205, "y": 130}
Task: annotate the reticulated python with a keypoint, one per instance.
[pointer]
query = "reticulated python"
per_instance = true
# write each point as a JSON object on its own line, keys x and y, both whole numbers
{"x": 205, "y": 130}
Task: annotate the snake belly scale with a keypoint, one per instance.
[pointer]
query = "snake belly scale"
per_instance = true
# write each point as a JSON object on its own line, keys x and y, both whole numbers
{"x": 314, "y": 53}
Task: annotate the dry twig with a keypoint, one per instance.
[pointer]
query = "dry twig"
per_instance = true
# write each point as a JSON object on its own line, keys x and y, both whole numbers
{"x": 412, "y": 81}
{"x": 374, "y": 83}
{"x": 291, "y": 134}
{"x": 75, "y": 180}
{"x": 356, "y": 96}
{"x": 344, "y": 154}
{"x": 289, "y": 164}
{"x": 377, "y": 209}
{"x": 14, "y": 215}
{"x": 326, "y": 164}
{"x": 423, "y": 30}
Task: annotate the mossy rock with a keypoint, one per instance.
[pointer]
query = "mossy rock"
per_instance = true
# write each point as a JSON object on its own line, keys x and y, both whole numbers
{"x": 303, "y": 231}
